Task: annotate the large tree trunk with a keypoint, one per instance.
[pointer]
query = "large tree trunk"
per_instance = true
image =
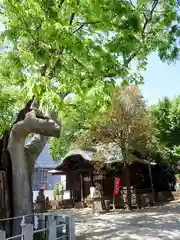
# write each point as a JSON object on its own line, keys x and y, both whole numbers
{"x": 21, "y": 188}
{"x": 23, "y": 157}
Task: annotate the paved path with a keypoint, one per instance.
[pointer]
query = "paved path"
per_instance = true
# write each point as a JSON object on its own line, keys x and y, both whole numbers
{"x": 156, "y": 223}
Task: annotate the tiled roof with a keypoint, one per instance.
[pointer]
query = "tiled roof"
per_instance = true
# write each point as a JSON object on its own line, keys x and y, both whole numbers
{"x": 111, "y": 152}
{"x": 87, "y": 155}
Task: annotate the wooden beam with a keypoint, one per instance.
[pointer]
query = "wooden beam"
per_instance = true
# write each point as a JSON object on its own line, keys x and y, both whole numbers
{"x": 82, "y": 186}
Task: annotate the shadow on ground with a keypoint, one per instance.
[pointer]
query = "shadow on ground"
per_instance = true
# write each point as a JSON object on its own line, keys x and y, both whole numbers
{"x": 162, "y": 222}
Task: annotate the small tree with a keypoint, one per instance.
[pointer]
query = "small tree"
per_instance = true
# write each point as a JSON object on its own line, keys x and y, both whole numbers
{"x": 126, "y": 124}
{"x": 56, "y": 190}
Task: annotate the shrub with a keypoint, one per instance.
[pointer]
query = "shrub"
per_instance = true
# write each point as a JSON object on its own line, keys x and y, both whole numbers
{"x": 56, "y": 189}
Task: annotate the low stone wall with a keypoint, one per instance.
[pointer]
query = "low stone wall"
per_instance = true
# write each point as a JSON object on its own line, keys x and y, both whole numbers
{"x": 49, "y": 194}
{"x": 146, "y": 199}
{"x": 140, "y": 200}
{"x": 66, "y": 203}
{"x": 164, "y": 196}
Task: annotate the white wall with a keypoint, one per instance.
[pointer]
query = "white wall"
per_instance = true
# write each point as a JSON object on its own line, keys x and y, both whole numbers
{"x": 63, "y": 180}
{"x": 49, "y": 194}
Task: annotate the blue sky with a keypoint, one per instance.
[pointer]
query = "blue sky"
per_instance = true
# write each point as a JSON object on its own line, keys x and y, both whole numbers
{"x": 161, "y": 80}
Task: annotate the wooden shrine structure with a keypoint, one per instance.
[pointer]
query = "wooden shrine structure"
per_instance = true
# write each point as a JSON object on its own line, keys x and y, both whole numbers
{"x": 81, "y": 175}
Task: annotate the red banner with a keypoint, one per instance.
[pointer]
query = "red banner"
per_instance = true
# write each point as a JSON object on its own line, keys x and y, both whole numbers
{"x": 116, "y": 186}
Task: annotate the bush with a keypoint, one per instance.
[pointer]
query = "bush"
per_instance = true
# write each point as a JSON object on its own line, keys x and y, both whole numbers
{"x": 56, "y": 189}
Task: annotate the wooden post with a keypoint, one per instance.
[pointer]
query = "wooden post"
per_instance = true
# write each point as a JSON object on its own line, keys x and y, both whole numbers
{"x": 2, "y": 235}
{"x": 82, "y": 187}
{"x": 114, "y": 208}
{"x": 28, "y": 232}
{"x": 128, "y": 203}
{"x": 69, "y": 185}
{"x": 151, "y": 181}
{"x": 52, "y": 233}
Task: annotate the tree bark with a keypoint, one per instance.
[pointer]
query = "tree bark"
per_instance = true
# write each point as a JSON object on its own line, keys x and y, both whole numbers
{"x": 21, "y": 187}
{"x": 33, "y": 149}
{"x": 23, "y": 157}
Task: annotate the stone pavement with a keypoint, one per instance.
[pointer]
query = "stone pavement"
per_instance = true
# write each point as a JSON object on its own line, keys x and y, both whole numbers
{"x": 162, "y": 222}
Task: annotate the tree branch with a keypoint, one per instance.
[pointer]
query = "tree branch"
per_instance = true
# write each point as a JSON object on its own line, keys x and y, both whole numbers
{"x": 34, "y": 148}
{"x": 147, "y": 20}
{"x": 61, "y": 3}
{"x": 72, "y": 18}
{"x": 33, "y": 124}
{"x": 43, "y": 70}
{"x": 83, "y": 24}
{"x": 58, "y": 62}
{"x": 130, "y": 1}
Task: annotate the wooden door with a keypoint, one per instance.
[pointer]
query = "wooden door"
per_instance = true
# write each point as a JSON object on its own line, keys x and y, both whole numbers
{"x": 76, "y": 188}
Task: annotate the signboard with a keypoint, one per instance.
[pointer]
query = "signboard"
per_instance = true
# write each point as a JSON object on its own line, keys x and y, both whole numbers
{"x": 116, "y": 186}
{"x": 97, "y": 177}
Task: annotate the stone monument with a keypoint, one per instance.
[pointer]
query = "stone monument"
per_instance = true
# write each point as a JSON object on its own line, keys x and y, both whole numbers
{"x": 40, "y": 204}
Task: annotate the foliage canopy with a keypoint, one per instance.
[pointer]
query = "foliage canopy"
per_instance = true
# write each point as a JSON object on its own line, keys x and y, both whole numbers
{"x": 59, "y": 47}
{"x": 165, "y": 116}
{"x": 126, "y": 124}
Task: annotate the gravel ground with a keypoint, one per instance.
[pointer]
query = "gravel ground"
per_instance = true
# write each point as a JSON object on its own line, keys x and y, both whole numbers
{"x": 162, "y": 222}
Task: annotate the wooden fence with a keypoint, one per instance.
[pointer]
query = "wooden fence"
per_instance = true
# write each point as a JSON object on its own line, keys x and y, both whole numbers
{"x": 45, "y": 227}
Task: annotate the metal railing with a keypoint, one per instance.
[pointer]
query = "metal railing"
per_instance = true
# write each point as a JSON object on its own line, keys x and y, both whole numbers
{"x": 46, "y": 226}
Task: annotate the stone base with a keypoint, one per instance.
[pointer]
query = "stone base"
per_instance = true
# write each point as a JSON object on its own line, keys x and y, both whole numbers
{"x": 107, "y": 204}
{"x": 40, "y": 207}
{"x": 79, "y": 205}
{"x": 97, "y": 206}
{"x": 100, "y": 206}
{"x": 89, "y": 202}
{"x": 164, "y": 196}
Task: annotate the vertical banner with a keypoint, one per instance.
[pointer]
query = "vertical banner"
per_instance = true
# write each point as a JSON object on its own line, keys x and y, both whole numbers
{"x": 116, "y": 186}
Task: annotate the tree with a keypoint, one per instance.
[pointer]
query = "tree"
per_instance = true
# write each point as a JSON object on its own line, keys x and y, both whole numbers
{"x": 55, "y": 47}
{"x": 51, "y": 49}
{"x": 125, "y": 124}
{"x": 165, "y": 117}
{"x": 127, "y": 32}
